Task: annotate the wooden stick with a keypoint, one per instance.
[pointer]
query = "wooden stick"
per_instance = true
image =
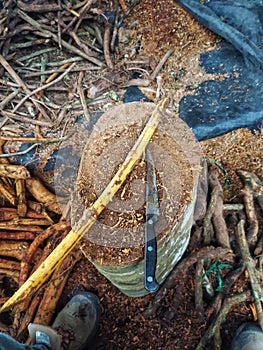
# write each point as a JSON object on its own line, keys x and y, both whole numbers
{"x": 220, "y": 227}
{"x": 21, "y": 197}
{"x": 89, "y": 217}
{"x": 43, "y": 195}
{"x": 20, "y": 118}
{"x": 106, "y": 45}
{"x": 18, "y": 235}
{"x": 83, "y": 98}
{"x": 21, "y": 323}
{"x": 199, "y": 271}
{"x": 252, "y": 232}
{"x": 12, "y": 213}
{"x": 208, "y": 231}
{"x": 13, "y": 249}
{"x": 10, "y": 197}
{"x": 250, "y": 265}
{"x": 39, "y": 259}
{"x": 43, "y": 87}
{"x": 9, "y": 264}
{"x": 24, "y": 224}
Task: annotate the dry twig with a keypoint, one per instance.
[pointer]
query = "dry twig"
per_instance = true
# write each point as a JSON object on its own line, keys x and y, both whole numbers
{"x": 47, "y": 33}
{"x": 21, "y": 84}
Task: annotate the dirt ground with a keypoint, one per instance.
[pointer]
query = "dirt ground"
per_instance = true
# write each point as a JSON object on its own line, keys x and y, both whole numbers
{"x": 168, "y": 319}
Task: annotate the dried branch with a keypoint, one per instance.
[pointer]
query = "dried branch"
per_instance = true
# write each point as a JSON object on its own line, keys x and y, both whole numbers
{"x": 82, "y": 98}
{"x": 161, "y": 64}
{"x": 250, "y": 265}
{"x": 20, "y": 118}
{"x": 18, "y": 236}
{"x": 37, "y": 7}
{"x": 147, "y": 82}
{"x": 220, "y": 227}
{"x": 208, "y": 231}
{"x": 7, "y": 194}
{"x": 252, "y": 232}
{"x": 8, "y": 98}
{"x": 24, "y": 224}
{"x": 19, "y": 324}
{"x": 13, "y": 249}
{"x": 106, "y": 45}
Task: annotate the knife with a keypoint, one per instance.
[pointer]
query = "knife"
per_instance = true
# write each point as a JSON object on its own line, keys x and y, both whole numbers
{"x": 152, "y": 214}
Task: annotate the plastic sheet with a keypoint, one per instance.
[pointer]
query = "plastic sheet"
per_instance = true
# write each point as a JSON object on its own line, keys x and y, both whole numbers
{"x": 220, "y": 106}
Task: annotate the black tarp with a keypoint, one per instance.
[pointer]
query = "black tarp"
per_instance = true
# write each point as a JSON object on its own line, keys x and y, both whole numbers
{"x": 220, "y": 106}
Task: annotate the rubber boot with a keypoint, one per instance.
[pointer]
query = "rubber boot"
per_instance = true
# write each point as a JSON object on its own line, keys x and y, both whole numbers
{"x": 74, "y": 326}
{"x": 248, "y": 336}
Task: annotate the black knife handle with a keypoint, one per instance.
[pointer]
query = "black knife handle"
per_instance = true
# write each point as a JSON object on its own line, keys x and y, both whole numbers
{"x": 150, "y": 258}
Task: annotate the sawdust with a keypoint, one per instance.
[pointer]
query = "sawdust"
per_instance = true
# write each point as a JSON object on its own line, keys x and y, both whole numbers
{"x": 239, "y": 149}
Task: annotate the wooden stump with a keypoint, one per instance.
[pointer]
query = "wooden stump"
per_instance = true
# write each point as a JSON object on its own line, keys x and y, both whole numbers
{"x": 115, "y": 242}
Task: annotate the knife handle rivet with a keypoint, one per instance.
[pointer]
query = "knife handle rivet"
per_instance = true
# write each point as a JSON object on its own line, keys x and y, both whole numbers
{"x": 150, "y": 248}
{"x": 150, "y": 222}
{"x": 149, "y": 279}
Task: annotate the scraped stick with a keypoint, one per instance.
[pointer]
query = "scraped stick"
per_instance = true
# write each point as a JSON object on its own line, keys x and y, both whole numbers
{"x": 36, "y": 280}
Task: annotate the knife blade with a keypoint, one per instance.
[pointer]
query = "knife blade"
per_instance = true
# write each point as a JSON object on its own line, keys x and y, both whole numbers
{"x": 152, "y": 214}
